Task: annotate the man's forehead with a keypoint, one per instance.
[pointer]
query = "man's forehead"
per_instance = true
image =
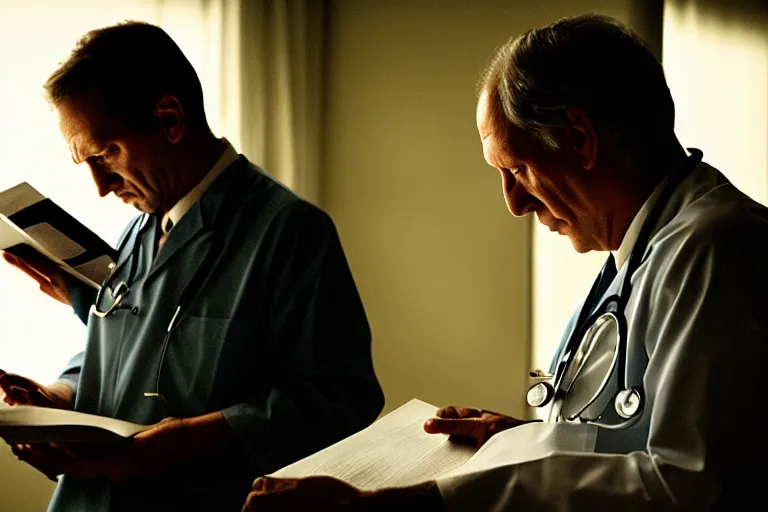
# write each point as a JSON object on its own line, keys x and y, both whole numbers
{"x": 483, "y": 116}
{"x": 82, "y": 125}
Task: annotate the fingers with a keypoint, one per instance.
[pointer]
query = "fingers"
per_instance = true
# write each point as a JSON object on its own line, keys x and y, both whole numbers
{"x": 26, "y": 268}
{"x": 17, "y": 390}
{"x": 51, "y": 279}
{"x": 267, "y": 492}
{"x": 267, "y": 484}
{"x": 12, "y": 392}
{"x": 300, "y": 494}
{"x": 16, "y": 396}
{"x": 469, "y": 427}
{"x": 29, "y": 258}
{"x": 37, "y": 458}
{"x": 12, "y": 379}
{"x": 458, "y": 412}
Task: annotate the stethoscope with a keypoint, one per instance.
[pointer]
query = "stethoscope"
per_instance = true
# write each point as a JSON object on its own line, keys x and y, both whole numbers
{"x": 598, "y": 343}
{"x": 121, "y": 289}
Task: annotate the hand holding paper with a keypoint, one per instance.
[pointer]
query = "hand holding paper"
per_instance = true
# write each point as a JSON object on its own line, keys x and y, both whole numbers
{"x": 35, "y": 225}
{"x": 473, "y": 425}
{"x": 53, "y": 281}
{"x": 328, "y": 494}
{"x": 18, "y": 390}
{"x": 118, "y": 460}
{"x": 395, "y": 465}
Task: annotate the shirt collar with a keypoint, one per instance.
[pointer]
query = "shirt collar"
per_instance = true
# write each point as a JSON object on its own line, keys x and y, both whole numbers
{"x": 175, "y": 214}
{"x": 621, "y": 255}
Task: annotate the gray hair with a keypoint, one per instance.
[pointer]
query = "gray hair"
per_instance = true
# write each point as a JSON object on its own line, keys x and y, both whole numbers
{"x": 591, "y": 62}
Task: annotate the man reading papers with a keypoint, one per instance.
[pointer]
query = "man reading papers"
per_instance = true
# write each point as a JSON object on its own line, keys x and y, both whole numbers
{"x": 231, "y": 320}
{"x": 662, "y": 367}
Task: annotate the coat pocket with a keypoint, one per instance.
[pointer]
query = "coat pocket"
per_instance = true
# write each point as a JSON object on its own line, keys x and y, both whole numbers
{"x": 205, "y": 357}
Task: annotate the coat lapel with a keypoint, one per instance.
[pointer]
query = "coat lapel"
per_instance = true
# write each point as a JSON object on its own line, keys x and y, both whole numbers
{"x": 187, "y": 239}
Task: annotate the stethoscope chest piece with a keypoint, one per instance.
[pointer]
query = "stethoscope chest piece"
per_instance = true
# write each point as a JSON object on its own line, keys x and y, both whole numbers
{"x": 628, "y": 403}
{"x": 540, "y": 394}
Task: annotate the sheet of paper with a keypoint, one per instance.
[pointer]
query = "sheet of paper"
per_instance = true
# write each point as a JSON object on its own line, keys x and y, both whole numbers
{"x": 531, "y": 441}
{"x": 394, "y": 451}
{"x": 17, "y": 198}
{"x": 28, "y": 424}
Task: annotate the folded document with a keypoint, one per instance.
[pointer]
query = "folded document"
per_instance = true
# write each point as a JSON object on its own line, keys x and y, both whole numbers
{"x": 29, "y": 219}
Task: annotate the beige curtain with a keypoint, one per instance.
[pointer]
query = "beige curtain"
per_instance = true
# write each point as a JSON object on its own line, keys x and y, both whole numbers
{"x": 716, "y": 62}
{"x": 261, "y": 64}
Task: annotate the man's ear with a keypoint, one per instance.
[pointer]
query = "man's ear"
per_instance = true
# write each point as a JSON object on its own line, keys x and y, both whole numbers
{"x": 582, "y": 136}
{"x": 169, "y": 113}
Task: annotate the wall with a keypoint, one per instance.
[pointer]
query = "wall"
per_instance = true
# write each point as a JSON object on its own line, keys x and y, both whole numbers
{"x": 716, "y": 58}
{"x": 444, "y": 270}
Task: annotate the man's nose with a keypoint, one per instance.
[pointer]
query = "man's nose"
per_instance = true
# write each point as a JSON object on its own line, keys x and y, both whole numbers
{"x": 519, "y": 201}
{"x": 105, "y": 181}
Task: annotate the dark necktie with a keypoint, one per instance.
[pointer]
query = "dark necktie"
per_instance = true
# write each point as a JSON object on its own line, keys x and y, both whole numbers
{"x": 604, "y": 280}
{"x": 164, "y": 234}
{"x": 591, "y": 303}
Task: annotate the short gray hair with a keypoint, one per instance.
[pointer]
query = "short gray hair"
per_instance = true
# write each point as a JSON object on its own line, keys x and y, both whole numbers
{"x": 592, "y": 62}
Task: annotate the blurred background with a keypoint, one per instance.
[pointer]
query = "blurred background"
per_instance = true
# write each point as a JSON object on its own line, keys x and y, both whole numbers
{"x": 367, "y": 108}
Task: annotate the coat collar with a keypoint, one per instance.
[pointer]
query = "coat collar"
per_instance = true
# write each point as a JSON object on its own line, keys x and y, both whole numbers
{"x": 200, "y": 220}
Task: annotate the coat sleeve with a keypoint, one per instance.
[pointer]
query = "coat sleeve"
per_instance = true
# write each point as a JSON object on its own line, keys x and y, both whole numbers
{"x": 323, "y": 387}
{"x": 706, "y": 336}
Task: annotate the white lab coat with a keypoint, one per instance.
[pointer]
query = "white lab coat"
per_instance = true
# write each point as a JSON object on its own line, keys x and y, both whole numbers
{"x": 698, "y": 310}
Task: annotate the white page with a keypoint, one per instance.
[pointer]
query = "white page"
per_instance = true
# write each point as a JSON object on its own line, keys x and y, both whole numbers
{"x": 394, "y": 451}
{"x": 532, "y": 441}
{"x": 25, "y": 423}
{"x": 17, "y": 198}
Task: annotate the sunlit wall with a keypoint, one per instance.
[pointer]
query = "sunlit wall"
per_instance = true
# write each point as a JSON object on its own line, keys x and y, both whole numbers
{"x": 716, "y": 63}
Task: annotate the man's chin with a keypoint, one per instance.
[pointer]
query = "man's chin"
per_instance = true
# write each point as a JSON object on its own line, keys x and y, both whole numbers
{"x": 580, "y": 245}
{"x": 136, "y": 203}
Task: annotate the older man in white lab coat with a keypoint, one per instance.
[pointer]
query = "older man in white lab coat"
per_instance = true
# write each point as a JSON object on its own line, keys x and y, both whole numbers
{"x": 578, "y": 120}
